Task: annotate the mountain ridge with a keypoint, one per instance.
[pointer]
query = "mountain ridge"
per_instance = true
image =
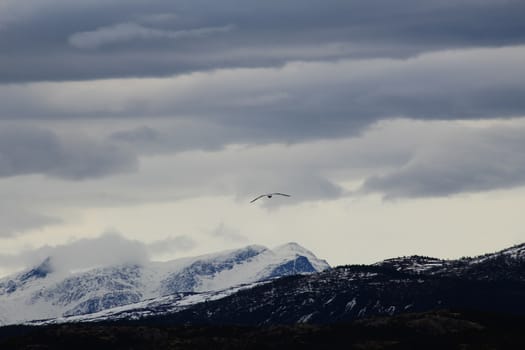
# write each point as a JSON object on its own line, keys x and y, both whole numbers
{"x": 39, "y": 293}
{"x": 493, "y": 282}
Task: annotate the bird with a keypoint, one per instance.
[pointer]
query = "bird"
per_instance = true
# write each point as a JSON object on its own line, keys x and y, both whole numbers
{"x": 270, "y": 195}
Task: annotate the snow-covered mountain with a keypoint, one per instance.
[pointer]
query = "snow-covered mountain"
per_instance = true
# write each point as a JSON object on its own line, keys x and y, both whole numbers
{"x": 489, "y": 283}
{"x": 238, "y": 287}
{"x": 40, "y": 293}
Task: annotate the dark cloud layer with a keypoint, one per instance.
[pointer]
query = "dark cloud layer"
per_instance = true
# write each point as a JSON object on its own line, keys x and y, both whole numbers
{"x": 321, "y": 99}
{"x": 252, "y": 72}
{"x": 296, "y": 102}
{"x": 30, "y": 150}
{"x": 94, "y": 39}
{"x": 182, "y": 136}
{"x": 16, "y": 220}
{"x": 465, "y": 162}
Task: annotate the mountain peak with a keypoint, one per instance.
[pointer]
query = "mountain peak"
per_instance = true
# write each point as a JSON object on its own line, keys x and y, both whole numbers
{"x": 292, "y": 247}
{"x": 39, "y": 271}
{"x": 32, "y": 296}
{"x": 294, "y": 250}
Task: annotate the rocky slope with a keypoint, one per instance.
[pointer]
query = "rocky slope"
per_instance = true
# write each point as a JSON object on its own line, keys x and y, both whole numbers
{"x": 490, "y": 283}
{"x": 40, "y": 293}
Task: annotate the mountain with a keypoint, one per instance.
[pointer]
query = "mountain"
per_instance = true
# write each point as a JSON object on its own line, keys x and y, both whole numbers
{"x": 242, "y": 288}
{"x": 41, "y": 293}
{"x": 490, "y": 283}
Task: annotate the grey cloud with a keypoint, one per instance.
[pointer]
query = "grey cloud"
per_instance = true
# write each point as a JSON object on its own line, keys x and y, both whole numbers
{"x": 338, "y": 94}
{"x": 110, "y": 248}
{"x": 239, "y": 171}
{"x": 156, "y": 18}
{"x": 182, "y": 135}
{"x": 107, "y": 249}
{"x": 142, "y": 134}
{"x": 228, "y": 234}
{"x": 397, "y": 159}
{"x": 123, "y": 32}
{"x": 171, "y": 245}
{"x": 245, "y": 172}
{"x": 31, "y": 150}
{"x": 308, "y": 185}
{"x": 402, "y": 158}
{"x": 297, "y": 102}
{"x": 17, "y": 220}
{"x": 285, "y": 31}
{"x": 92, "y": 160}
{"x": 457, "y": 163}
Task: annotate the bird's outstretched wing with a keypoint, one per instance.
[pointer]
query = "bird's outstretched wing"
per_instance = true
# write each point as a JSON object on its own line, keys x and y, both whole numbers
{"x": 253, "y": 200}
{"x": 269, "y": 195}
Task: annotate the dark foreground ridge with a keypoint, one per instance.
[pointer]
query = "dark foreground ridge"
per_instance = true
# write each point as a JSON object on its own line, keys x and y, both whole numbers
{"x": 395, "y": 304}
{"x": 430, "y": 330}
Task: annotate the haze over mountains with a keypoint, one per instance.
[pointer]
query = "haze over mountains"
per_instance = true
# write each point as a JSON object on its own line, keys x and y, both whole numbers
{"x": 41, "y": 293}
{"x": 259, "y": 286}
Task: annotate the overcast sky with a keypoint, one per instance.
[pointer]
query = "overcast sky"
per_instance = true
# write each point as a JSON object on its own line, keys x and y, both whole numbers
{"x": 138, "y": 130}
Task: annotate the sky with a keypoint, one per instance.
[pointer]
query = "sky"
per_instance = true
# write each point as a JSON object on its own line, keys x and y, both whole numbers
{"x": 134, "y": 130}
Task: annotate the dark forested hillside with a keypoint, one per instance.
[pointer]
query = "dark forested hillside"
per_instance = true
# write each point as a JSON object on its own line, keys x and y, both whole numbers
{"x": 430, "y": 330}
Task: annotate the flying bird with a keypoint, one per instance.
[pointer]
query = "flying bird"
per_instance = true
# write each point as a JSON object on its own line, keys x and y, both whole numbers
{"x": 270, "y": 195}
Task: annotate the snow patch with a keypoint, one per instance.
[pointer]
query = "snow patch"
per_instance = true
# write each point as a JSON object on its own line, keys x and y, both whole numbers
{"x": 41, "y": 294}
